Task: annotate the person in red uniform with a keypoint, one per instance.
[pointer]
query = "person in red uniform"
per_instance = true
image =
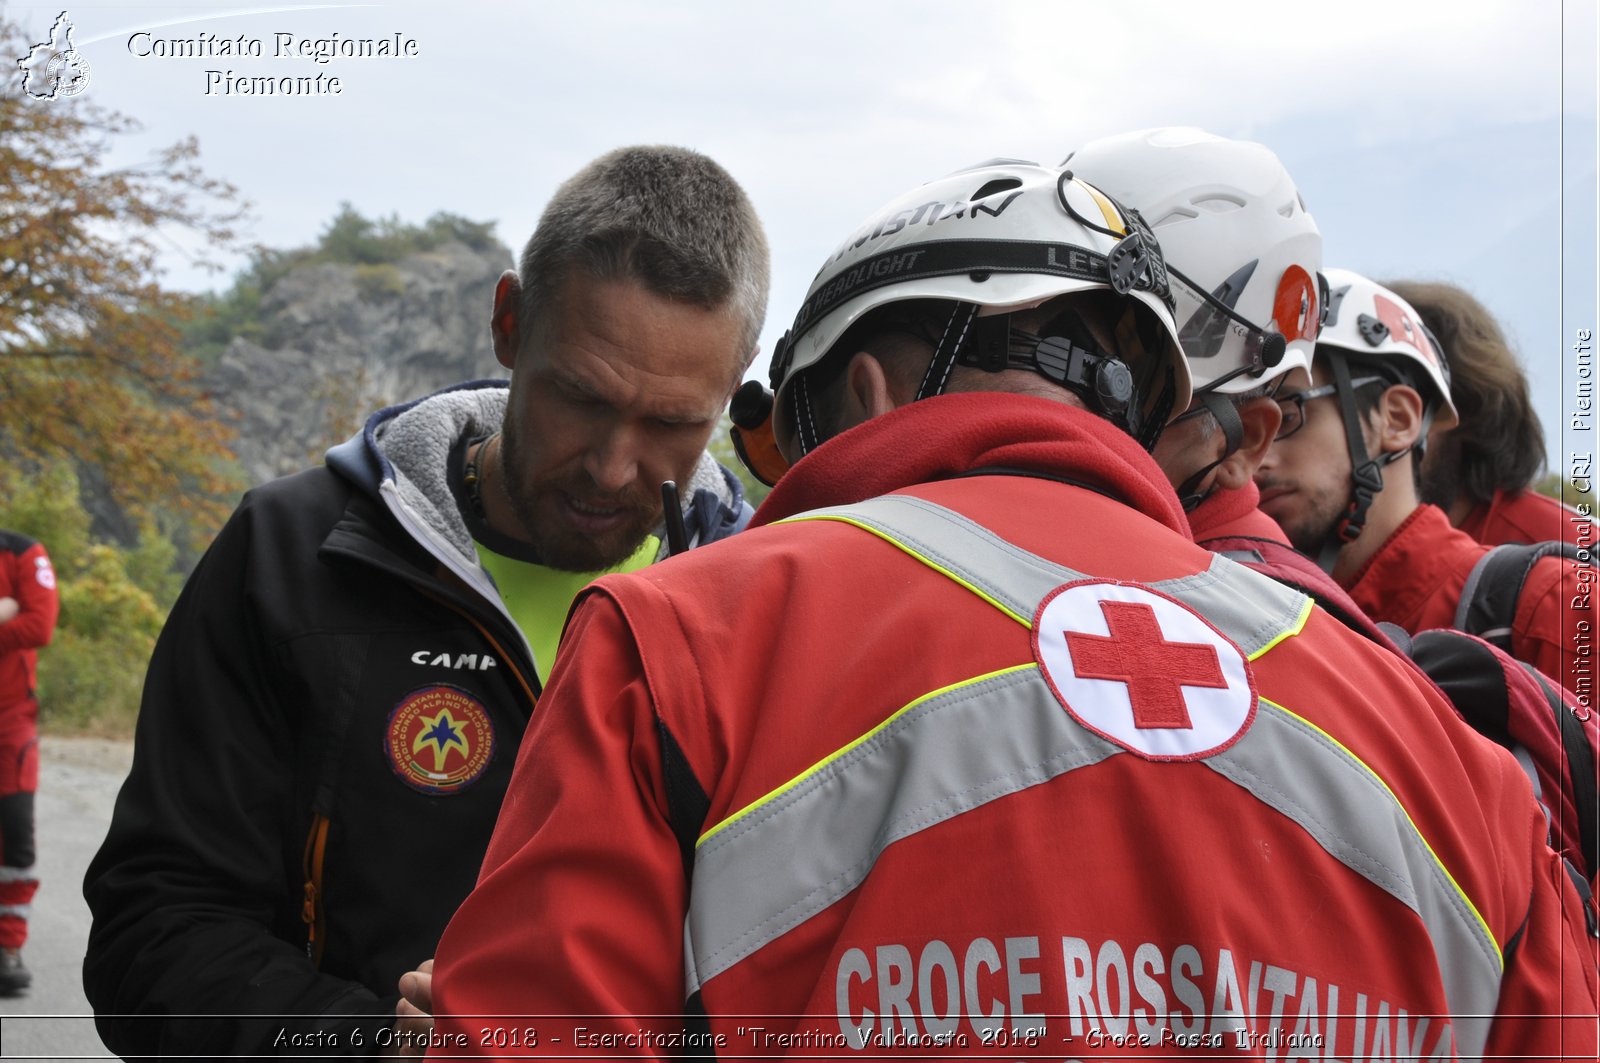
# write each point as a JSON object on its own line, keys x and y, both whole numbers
{"x": 968, "y": 750}
{"x": 1246, "y": 297}
{"x": 1481, "y": 472}
{"x": 28, "y": 608}
{"x": 1263, "y": 259}
{"x": 1349, "y": 496}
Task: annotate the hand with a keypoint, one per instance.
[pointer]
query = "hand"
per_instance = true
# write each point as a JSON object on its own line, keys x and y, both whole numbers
{"x": 413, "y": 1014}
{"x": 8, "y": 609}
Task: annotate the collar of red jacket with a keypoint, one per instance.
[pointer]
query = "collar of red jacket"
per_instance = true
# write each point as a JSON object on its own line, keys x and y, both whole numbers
{"x": 1234, "y": 512}
{"x": 1422, "y": 560}
{"x": 948, "y": 435}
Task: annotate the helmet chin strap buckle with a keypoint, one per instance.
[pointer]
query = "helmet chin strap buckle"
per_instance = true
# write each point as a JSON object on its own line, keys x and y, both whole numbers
{"x": 1368, "y": 484}
{"x": 1366, "y": 472}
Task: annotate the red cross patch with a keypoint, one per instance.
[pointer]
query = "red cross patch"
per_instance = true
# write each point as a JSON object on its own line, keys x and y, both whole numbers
{"x": 1143, "y": 670}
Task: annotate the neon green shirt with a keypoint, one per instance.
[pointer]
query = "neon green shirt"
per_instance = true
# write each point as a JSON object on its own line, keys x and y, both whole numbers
{"x": 539, "y": 597}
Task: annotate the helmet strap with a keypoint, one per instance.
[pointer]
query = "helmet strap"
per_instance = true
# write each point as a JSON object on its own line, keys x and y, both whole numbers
{"x": 1366, "y": 472}
{"x": 803, "y": 414}
{"x": 951, "y": 341}
{"x": 1226, "y": 414}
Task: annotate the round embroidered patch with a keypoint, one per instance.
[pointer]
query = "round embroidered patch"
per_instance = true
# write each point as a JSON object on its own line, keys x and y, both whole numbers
{"x": 1143, "y": 670}
{"x": 439, "y": 739}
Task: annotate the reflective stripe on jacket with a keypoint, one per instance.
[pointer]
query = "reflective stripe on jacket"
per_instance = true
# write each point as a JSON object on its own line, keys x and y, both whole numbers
{"x": 911, "y": 845}
{"x": 764, "y": 870}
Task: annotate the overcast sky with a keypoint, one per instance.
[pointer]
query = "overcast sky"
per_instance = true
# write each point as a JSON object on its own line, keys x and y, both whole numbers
{"x": 1427, "y": 140}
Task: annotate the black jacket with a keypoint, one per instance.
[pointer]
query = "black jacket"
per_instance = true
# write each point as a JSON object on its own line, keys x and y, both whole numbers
{"x": 337, "y": 651}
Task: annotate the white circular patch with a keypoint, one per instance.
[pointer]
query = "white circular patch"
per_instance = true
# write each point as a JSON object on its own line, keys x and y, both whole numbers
{"x": 1143, "y": 670}
{"x": 43, "y": 573}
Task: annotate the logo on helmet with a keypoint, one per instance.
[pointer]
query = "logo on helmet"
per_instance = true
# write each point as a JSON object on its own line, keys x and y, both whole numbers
{"x": 1404, "y": 330}
{"x": 927, "y": 214}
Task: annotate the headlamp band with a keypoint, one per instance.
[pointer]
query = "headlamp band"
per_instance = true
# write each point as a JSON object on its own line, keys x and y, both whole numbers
{"x": 1102, "y": 380}
{"x": 975, "y": 258}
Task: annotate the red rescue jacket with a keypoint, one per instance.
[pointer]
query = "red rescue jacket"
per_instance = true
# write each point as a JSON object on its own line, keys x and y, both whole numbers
{"x": 941, "y": 820}
{"x": 1231, "y": 523}
{"x": 26, "y": 577}
{"x": 1416, "y": 578}
{"x": 1528, "y": 517}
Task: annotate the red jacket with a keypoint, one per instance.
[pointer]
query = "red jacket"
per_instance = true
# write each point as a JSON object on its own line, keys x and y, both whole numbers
{"x": 1415, "y": 581}
{"x": 27, "y": 578}
{"x": 1231, "y": 523}
{"x": 1527, "y": 517}
{"x": 913, "y": 840}
{"x": 1225, "y": 514}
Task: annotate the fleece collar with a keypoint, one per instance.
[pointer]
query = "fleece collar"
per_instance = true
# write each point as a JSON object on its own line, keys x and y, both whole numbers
{"x": 402, "y": 458}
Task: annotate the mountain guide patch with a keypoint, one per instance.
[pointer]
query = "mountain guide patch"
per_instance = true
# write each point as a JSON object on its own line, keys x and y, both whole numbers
{"x": 439, "y": 739}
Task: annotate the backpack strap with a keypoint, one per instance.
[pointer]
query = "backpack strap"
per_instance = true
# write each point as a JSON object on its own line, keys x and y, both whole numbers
{"x": 1399, "y": 636}
{"x": 1489, "y": 599}
{"x": 1514, "y": 705}
{"x": 1580, "y": 769}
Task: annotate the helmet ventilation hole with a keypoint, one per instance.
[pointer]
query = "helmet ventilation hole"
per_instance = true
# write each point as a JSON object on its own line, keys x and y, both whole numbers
{"x": 1000, "y": 184}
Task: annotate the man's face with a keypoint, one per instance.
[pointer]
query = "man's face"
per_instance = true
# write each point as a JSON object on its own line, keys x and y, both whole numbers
{"x": 618, "y": 392}
{"x": 1305, "y": 479}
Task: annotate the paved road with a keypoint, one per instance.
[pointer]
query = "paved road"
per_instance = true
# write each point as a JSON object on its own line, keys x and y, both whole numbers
{"x": 77, "y": 784}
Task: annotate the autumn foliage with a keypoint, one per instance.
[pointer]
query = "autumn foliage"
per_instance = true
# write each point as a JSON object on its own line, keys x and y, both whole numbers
{"x": 91, "y": 367}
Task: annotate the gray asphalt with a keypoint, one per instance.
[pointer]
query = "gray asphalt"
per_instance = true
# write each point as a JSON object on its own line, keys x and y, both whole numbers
{"x": 78, "y": 780}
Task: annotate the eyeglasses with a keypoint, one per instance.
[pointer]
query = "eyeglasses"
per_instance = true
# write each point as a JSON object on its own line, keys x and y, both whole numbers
{"x": 1293, "y": 404}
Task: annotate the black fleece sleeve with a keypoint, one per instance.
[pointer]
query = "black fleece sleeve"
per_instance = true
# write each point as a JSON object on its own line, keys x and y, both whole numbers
{"x": 191, "y": 952}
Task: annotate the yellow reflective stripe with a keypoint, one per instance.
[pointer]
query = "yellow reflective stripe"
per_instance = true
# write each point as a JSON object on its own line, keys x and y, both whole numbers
{"x": 1026, "y": 622}
{"x": 1294, "y": 629}
{"x": 1483, "y": 924}
{"x": 1113, "y": 217}
{"x": 784, "y": 788}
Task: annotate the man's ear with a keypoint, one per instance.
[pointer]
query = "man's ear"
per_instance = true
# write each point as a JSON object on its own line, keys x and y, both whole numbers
{"x": 866, "y": 389}
{"x": 1397, "y": 419}
{"x": 1261, "y": 418}
{"x": 503, "y": 323}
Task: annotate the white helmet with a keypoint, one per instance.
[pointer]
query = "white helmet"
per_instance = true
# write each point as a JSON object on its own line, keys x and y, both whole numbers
{"x": 999, "y": 237}
{"x": 1368, "y": 327}
{"x": 1244, "y": 254}
{"x": 1378, "y": 328}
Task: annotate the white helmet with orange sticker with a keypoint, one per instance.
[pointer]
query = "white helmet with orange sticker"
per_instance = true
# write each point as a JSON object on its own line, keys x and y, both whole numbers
{"x": 1244, "y": 253}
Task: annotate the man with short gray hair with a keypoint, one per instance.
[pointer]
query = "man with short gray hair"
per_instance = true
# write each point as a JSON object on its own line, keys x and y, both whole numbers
{"x": 335, "y": 705}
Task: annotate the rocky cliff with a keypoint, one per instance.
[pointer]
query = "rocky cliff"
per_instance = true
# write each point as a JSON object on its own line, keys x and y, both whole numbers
{"x": 340, "y": 341}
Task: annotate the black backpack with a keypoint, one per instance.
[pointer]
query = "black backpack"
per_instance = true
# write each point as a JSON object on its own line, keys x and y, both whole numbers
{"x": 1551, "y": 734}
{"x": 1493, "y": 588}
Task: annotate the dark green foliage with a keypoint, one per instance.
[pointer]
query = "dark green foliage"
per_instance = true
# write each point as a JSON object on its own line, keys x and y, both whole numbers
{"x": 350, "y": 238}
